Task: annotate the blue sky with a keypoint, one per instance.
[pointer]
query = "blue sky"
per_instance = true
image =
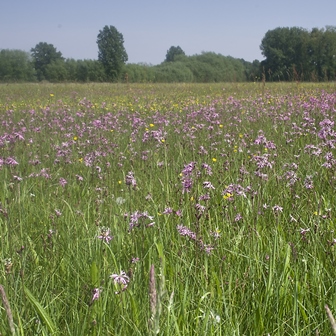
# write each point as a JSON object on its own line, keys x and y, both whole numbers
{"x": 150, "y": 27}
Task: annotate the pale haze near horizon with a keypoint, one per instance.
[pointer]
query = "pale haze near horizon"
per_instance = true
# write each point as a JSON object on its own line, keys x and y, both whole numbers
{"x": 150, "y": 28}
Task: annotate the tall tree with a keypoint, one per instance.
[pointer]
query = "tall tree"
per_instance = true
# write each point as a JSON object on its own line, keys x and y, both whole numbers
{"x": 111, "y": 51}
{"x": 173, "y": 52}
{"x": 295, "y": 53}
{"x": 44, "y": 54}
{"x": 286, "y": 54}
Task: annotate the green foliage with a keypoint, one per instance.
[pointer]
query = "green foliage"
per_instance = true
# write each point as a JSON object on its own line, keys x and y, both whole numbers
{"x": 270, "y": 272}
{"x": 211, "y": 67}
{"x": 252, "y": 70}
{"x": 173, "y": 52}
{"x": 90, "y": 71}
{"x": 173, "y": 72}
{"x": 111, "y": 52}
{"x": 16, "y": 66}
{"x": 44, "y": 54}
{"x": 139, "y": 73}
{"x": 56, "y": 71}
{"x": 297, "y": 54}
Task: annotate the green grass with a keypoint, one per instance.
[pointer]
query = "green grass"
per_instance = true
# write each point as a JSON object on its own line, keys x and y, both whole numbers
{"x": 264, "y": 274}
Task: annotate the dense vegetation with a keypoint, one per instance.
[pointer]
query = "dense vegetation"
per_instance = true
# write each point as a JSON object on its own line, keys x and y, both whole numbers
{"x": 156, "y": 209}
{"x": 291, "y": 54}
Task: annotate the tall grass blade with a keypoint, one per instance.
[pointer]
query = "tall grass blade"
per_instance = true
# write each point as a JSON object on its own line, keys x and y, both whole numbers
{"x": 41, "y": 311}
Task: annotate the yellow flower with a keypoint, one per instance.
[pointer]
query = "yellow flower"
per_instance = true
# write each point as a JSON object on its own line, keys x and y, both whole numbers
{"x": 227, "y": 195}
{"x": 214, "y": 159}
{"x": 75, "y": 138}
{"x": 51, "y": 95}
{"x": 80, "y": 160}
{"x": 163, "y": 140}
{"x": 119, "y": 182}
{"x": 221, "y": 126}
{"x": 151, "y": 125}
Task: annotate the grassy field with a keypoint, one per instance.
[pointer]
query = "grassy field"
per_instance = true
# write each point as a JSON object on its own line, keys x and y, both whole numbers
{"x": 182, "y": 209}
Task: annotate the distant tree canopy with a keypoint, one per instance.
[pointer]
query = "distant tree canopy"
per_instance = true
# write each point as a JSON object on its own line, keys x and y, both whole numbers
{"x": 44, "y": 54}
{"x": 207, "y": 67}
{"x": 111, "y": 52}
{"x": 173, "y": 52}
{"x": 291, "y": 53}
{"x": 297, "y": 54}
{"x": 16, "y": 66}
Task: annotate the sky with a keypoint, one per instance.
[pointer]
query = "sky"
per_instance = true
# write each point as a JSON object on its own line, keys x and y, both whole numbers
{"x": 150, "y": 27}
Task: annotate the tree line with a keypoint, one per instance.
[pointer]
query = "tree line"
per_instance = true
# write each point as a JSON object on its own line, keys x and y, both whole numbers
{"x": 290, "y": 54}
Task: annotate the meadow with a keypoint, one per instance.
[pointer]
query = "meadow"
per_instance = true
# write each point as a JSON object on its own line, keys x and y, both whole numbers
{"x": 167, "y": 209}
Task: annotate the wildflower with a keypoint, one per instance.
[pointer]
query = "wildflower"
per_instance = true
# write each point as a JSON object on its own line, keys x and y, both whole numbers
{"x": 62, "y": 182}
{"x": 130, "y": 180}
{"x": 207, "y": 248}
{"x": 304, "y": 231}
{"x": 204, "y": 197}
{"x": 238, "y": 217}
{"x": 214, "y": 159}
{"x": 207, "y": 168}
{"x": 308, "y": 182}
{"x": 277, "y": 208}
{"x": 136, "y": 216}
{"x": 208, "y": 185}
{"x": 75, "y": 138}
{"x": 96, "y": 294}
{"x": 187, "y": 185}
{"x": 167, "y": 211}
{"x": 58, "y": 213}
{"x": 11, "y": 162}
{"x": 188, "y": 169}
{"x": 105, "y": 234}
{"x": 200, "y": 208}
{"x": 120, "y": 279}
{"x": 216, "y": 234}
{"x": 184, "y": 231}
{"x": 227, "y": 196}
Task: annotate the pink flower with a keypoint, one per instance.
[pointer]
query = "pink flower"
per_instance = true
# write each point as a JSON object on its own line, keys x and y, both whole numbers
{"x": 105, "y": 235}
{"x": 96, "y": 294}
{"x": 62, "y": 182}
